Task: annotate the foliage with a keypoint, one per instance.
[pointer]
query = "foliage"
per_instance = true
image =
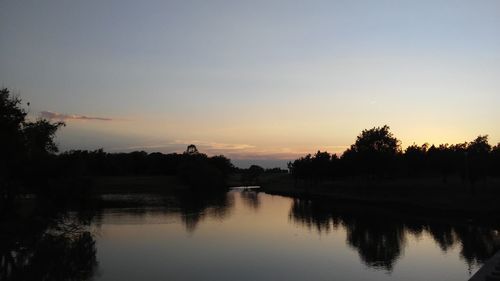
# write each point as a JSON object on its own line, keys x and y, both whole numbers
{"x": 377, "y": 154}
{"x": 25, "y": 146}
{"x": 195, "y": 169}
{"x": 375, "y": 151}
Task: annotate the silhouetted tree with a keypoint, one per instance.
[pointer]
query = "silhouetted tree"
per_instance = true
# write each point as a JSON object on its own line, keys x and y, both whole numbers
{"x": 415, "y": 158}
{"x": 200, "y": 171}
{"x": 12, "y": 118}
{"x": 191, "y": 149}
{"x": 222, "y": 163}
{"x": 494, "y": 163}
{"x": 477, "y": 158}
{"x": 251, "y": 175}
{"x": 275, "y": 170}
{"x": 25, "y": 147}
{"x": 375, "y": 151}
{"x": 301, "y": 169}
{"x": 321, "y": 168}
{"x": 315, "y": 169}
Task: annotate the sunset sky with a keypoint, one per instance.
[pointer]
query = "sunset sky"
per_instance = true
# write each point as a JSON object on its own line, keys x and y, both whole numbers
{"x": 258, "y": 81}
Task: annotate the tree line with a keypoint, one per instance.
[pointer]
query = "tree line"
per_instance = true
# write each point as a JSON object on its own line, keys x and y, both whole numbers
{"x": 377, "y": 154}
{"x": 194, "y": 167}
{"x": 30, "y": 163}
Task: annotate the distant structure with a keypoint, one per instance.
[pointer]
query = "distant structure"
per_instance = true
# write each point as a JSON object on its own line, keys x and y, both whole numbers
{"x": 191, "y": 149}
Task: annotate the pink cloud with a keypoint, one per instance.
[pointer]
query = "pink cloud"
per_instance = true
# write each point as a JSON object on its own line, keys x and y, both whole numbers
{"x": 61, "y": 116}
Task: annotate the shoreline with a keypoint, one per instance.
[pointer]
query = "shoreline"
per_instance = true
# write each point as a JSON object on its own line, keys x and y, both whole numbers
{"x": 420, "y": 194}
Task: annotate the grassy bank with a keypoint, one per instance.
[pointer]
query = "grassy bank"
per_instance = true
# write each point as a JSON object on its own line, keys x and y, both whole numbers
{"x": 426, "y": 193}
{"x": 429, "y": 193}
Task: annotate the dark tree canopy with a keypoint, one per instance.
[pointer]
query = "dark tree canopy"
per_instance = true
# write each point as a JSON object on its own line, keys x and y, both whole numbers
{"x": 479, "y": 146}
{"x": 12, "y": 118}
{"x": 375, "y": 151}
{"x": 22, "y": 139}
{"x": 378, "y": 140}
{"x": 25, "y": 146}
{"x": 40, "y": 137}
{"x": 191, "y": 149}
{"x": 377, "y": 154}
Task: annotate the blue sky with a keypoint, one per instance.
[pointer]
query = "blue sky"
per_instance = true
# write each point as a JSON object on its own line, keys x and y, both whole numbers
{"x": 267, "y": 80}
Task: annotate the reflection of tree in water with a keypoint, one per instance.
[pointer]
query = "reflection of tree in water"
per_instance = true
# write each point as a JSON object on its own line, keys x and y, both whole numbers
{"x": 46, "y": 248}
{"x": 192, "y": 206}
{"x": 380, "y": 237}
{"x": 311, "y": 215}
{"x": 379, "y": 242}
{"x": 477, "y": 244}
{"x": 195, "y": 206}
{"x": 251, "y": 199}
{"x": 443, "y": 235}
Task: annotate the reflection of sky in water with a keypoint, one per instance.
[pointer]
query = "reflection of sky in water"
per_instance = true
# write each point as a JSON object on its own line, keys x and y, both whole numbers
{"x": 260, "y": 238}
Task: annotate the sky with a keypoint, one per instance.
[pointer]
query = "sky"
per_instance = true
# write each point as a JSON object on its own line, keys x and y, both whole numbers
{"x": 258, "y": 81}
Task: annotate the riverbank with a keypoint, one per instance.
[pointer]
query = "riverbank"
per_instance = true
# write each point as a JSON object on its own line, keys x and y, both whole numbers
{"x": 136, "y": 184}
{"x": 428, "y": 193}
{"x": 425, "y": 193}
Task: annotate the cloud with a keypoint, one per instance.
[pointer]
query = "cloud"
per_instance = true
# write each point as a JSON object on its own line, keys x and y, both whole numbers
{"x": 61, "y": 116}
{"x": 234, "y": 151}
{"x": 216, "y": 145}
{"x": 242, "y": 154}
{"x": 181, "y": 145}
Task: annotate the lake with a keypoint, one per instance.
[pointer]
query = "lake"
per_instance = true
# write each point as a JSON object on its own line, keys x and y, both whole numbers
{"x": 245, "y": 235}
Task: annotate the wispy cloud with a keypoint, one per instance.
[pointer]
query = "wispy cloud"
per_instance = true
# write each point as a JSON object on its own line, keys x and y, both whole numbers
{"x": 233, "y": 150}
{"x": 216, "y": 145}
{"x": 180, "y": 145}
{"x": 61, "y": 116}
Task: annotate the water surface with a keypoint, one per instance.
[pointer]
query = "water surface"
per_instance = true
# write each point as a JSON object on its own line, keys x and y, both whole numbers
{"x": 245, "y": 235}
{"x": 242, "y": 235}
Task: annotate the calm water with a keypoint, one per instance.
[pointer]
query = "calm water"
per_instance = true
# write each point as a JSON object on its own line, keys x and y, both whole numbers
{"x": 244, "y": 235}
{"x": 255, "y": 236}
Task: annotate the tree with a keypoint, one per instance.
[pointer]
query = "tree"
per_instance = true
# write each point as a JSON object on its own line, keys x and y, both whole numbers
{"x": 301, "y": 168}
{"x": 321, "y": 165}
{"x": 375, "y": 150}
{"x": 477, "y": 157}
{"x": 377, "y": 140}
{"x": 415, "y": 157}
{"x": 494, "y": 162}
{"x": 39, "y": 137}
{"x": 12, "y": 118}
{"x": 202, "y": 172}
{"x": 24, "y": 144}
{"x": 222, "y": 163}
{"x": 191, "y": 149}
{"x": 252, "y": 174}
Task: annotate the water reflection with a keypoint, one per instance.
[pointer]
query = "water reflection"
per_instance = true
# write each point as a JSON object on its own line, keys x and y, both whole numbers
{"x": 380, "y": 237}
{"x": 59, "y": 245}
{"x": 251, "y": 199}
{"x": 192, "y": 207}
{"x": 62, "y": 245}
{"x": 41, "y": 247}
{"x": 196, "y": 206}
